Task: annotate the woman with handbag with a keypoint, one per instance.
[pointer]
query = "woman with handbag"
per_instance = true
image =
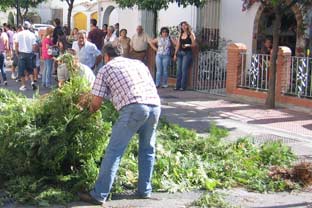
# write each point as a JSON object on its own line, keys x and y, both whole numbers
{"x": 47, "y": 45}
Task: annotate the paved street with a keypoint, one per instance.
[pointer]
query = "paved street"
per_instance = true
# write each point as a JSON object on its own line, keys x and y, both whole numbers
{"x": 197, "y": 111}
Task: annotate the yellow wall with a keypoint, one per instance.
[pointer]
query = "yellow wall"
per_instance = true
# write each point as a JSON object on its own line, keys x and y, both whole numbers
{"x": 95, "y": 16}
{"x": 80, "y": 21}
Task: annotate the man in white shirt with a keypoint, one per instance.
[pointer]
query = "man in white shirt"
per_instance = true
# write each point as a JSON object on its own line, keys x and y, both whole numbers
{"x": 63, "y": 73}
{"x": 87, "y": 52}
{"x": 26, "y": 40}
{"x": 139, "y": 44}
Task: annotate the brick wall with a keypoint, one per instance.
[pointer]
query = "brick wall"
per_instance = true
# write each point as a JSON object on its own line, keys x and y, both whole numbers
{"x": 234, "y": 67}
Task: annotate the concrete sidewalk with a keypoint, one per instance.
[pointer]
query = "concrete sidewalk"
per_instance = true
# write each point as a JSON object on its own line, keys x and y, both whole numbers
{"x": 198, "y": 110}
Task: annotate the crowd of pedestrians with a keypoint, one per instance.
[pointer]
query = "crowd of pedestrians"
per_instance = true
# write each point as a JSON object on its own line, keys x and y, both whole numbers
{"x": 27, "y": 49}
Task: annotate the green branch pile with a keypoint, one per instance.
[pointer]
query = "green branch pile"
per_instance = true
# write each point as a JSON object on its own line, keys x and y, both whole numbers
{"x": 49, "y": 150}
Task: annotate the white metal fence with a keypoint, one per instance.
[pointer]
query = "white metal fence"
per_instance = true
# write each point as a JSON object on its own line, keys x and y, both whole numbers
{"x": 255, "y": 73}
{"x": 210, "y": 73}
{"x": 299, "y": 82}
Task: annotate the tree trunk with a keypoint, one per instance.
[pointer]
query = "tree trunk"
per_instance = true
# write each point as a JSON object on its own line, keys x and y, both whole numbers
{"x": 155, "y": 23}
{"x": 24, "y": 14}
{"x": 270, "y": 101}
{"x": 70, "y": 9}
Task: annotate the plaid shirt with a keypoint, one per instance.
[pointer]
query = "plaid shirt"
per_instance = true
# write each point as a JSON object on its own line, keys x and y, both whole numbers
{"x": 126, "y": 81}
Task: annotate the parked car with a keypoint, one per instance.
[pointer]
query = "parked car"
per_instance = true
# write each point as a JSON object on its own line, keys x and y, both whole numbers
{"x": 38, "y": 27}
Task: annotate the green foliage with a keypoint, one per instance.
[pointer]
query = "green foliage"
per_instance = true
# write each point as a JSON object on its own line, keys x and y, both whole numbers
{"x": 47, "y": 140}
{"x": 23, "y": 4}
{"x": 49, "y": 150}
{"x": 212, "y": 200}
{"x": 157, "y": 5}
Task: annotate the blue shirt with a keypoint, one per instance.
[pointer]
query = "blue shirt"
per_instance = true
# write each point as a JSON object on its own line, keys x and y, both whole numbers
{"x": 87, "y": 54}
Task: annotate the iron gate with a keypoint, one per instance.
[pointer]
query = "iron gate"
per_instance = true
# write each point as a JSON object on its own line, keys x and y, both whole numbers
{"x": 210, "y": 73}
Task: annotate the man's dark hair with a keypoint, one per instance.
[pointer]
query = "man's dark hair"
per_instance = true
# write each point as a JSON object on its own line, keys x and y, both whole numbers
{"x": 93, "y": 22}
{"x": 57, "y": 21}
{"x": 112, "y": 50}
{"x": 268, "y": 38}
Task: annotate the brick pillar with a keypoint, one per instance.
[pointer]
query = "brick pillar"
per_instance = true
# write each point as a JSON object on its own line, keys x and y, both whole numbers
{"x": 234, "y": 66}
{"x": 282, "y": 71}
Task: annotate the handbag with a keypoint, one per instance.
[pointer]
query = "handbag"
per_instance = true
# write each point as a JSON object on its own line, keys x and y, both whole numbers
{"x": 54, "y": 51}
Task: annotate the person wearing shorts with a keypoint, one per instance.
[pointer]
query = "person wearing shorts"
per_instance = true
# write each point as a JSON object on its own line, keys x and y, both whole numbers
{"x": 26, "y": 40}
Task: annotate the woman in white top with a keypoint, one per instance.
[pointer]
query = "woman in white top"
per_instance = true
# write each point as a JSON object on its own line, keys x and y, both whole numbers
{"x": 162, "y": 45}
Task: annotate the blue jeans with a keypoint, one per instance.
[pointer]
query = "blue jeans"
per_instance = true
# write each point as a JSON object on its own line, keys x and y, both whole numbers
{"x": 162, "y": 64}
{"x": 133, "y": 118}
{"x": 47, "y": 73}
{"x": 2, "y": 69}
{"x": 184, "y": 61}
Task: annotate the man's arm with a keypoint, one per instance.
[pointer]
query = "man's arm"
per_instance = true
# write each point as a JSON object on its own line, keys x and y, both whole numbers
{"x": 96, "y": 103}
{"x": 98, "y": 60}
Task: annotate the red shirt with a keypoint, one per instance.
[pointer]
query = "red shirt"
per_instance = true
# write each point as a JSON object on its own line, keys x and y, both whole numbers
{"x": 97, "y": 36}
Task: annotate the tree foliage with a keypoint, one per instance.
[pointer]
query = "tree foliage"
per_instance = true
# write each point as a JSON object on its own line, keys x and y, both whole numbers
{"x": 22, "y": 6}
{"x": 157, "y": 5}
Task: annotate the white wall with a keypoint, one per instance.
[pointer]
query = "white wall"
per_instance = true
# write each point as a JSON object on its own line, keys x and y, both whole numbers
{"x": 129, "y": 19}
{"x": 237, "y": 25}
{"x": 45, "y": 12}
{"x": 174, "y": 15}
{"x": 4, "y": 17}
{"x": 114, "y": 17}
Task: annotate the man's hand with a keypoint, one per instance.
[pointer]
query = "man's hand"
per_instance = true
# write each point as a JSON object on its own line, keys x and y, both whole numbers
{"x": 84, "y": 101}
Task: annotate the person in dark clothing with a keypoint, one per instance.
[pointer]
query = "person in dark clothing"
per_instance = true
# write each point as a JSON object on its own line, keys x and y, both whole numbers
{"x": 96, "y": 35}
{"x": 184, "y": 55}
{"x": 267, "y": 46}
{"x": 58, "y": 30}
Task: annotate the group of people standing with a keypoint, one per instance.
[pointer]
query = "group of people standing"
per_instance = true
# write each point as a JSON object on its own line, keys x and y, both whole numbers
{"x": 166, "y": 49}
{"x": 26, "y": 49}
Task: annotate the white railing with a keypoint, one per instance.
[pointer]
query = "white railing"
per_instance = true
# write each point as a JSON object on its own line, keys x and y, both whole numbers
{"x": 255, "y": 74}
{"x": 300, "y": 82}
{"x": 210, "y": 73}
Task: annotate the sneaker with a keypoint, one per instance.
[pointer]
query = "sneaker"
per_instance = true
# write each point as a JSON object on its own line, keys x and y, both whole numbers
{"x": 164, "y": 86}
{"x": 23, "y": 88}
{"x": 5, "y": 83}
{"x": 86, "y": 197}
{"x": 33, "y": 85}
{"x": 18, "y": 80}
